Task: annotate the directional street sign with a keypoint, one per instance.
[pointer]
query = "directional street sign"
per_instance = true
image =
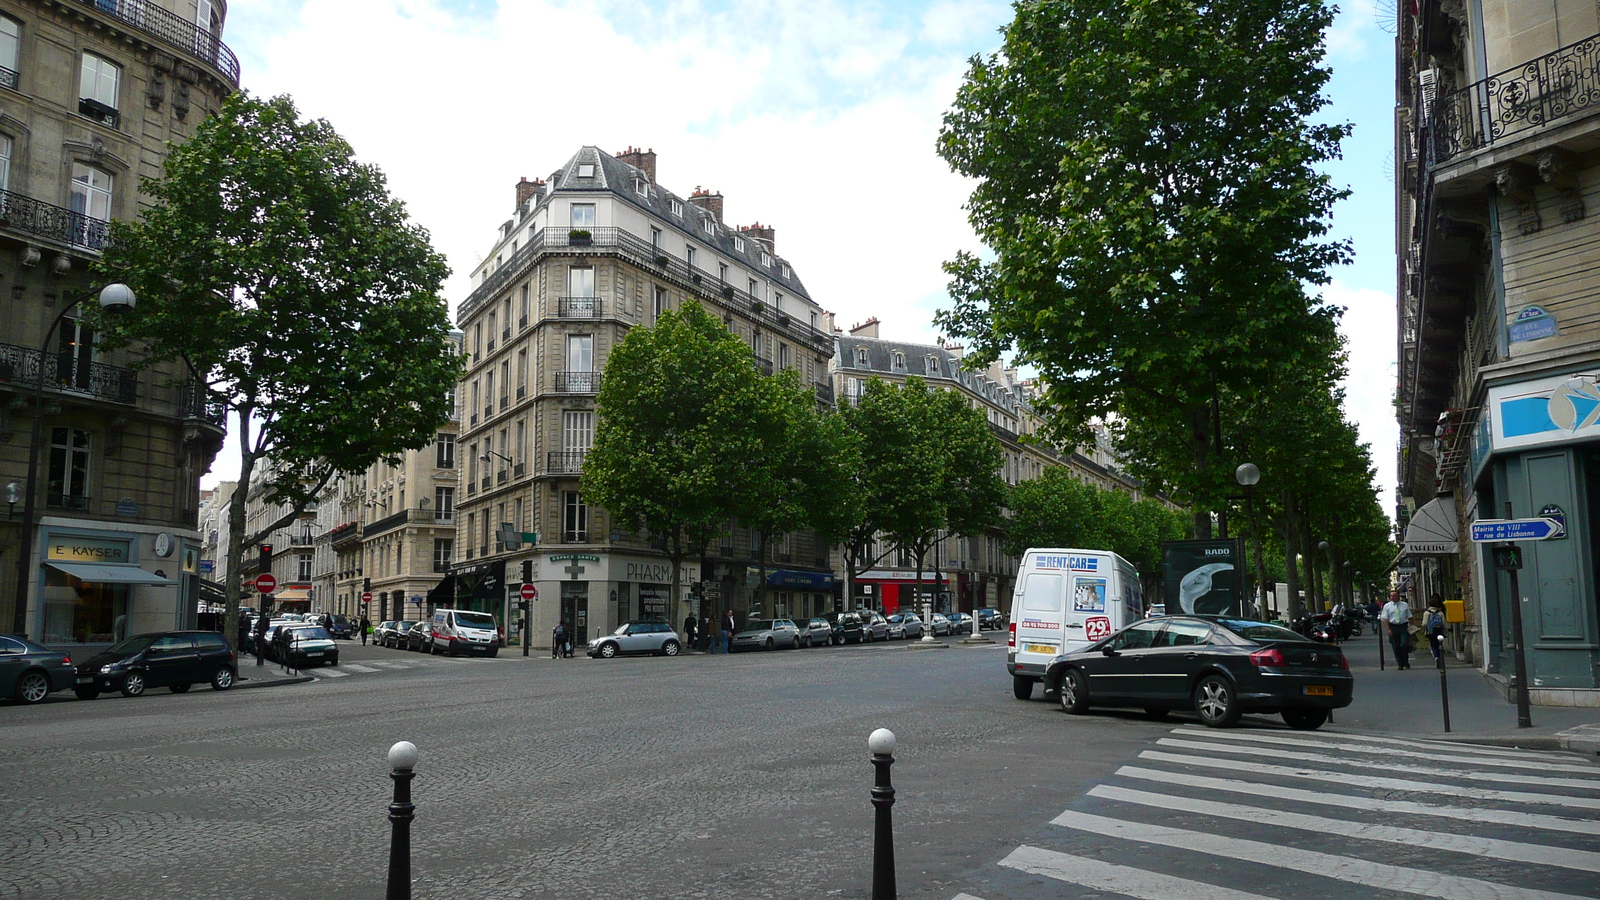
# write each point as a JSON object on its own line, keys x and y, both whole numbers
{"x": 1490, "y": 530}
{"x": 266, "y": 583}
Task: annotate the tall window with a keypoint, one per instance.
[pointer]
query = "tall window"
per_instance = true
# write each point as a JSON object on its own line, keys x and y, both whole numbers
{"x": 522, "y": 371}
{"x": 69, "y": 468}
{"x": 660, "y": 301}
{"x": 91, "y": 191}
{"x": 580, "y": 353}
{"x": 10, "y": 47}
{"x": 577, "y": 430}
{"x": 5, "y": 159}
{"x": 99, "y": 82}
{"x": 505, "y": 380}
{"x": 303, "y": 568}
{"x": 580, "y": 281}
{"x": 518, "y": 451}
{"x": 752, "y": 288}
{"x": 583, "y": 215}
{"x": 688, "y": 257}
{"x": 207, "y": 23}
{"x": 488, "y": 392}
{"x": 522, "y": 306}
{"x": 574, "y": 517}
{"x": 443, "y": 549}
{"x": 444, "y": 504}
{"x": 655, "y": 237}
{"x": 74, "y": 354}
{"x": 722, "y": 272}
{"x": 784, "y": 356}
{"x": 472, "y": 520}
{"x": 447, "y": 450}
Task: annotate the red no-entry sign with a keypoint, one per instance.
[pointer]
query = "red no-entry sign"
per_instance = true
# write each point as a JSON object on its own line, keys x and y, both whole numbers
{"x": 529, "y": 592}
{"x": 266, "y": 582}
{"x": 366, "y": 597}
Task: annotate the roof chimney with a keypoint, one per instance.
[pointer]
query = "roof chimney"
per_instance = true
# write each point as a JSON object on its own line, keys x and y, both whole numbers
{"x": 643, "y": 160}
{"x": 766, "y": 234}
{"x": 869, "y": 328}
{"x": 711, "y": 203}
{"x": 526, "y": 189}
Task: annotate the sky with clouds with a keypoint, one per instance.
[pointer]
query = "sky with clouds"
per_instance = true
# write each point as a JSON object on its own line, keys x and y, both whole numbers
{"x": 817, "y": 117}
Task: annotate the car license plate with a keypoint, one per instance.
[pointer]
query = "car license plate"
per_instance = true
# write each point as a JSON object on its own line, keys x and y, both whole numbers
{"x": 1319, "y": 690}
{"x": 313, "y": 654}
{"x": 86, "y": 679}
{"x": 1039, "y": 648}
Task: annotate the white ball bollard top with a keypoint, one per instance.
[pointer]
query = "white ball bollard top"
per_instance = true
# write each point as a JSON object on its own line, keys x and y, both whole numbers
{"x": 881, "y": 742}
{"x": 403, "y": 756}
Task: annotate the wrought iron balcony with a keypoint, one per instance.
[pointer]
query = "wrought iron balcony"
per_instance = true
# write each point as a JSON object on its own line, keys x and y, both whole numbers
{"x": 763, "y": 365}
{"x": 174, "y": 30}
{"x": 1537, "y": 93}
{"x": 8, "y": 78}
{"x": 100, "y": 112}
{"x": 302, "y": 540}
{"x": 824, "y": 392}
{"x": 19, "y": 212}
{"x": 195, "y": 403}
{"x": 577, "y": 382}
{"x": 575, "y": 537}
{"x": 565, "y": 462}
{"x": 578, "y": 307}
{"x": 22, "y": 366}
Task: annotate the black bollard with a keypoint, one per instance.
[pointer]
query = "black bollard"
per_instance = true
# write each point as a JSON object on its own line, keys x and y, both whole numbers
{"x": 881, "y": 743}
{"x": 1444, "y": 687}
{"x": 402, "y": 759}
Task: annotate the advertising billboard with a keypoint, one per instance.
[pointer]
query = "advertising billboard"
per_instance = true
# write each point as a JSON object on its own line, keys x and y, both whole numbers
{"x": 1204, "y": 577}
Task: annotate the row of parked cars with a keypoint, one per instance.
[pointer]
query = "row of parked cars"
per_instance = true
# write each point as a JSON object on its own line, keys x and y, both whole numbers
{"x": 177, "y": 660}
{"x": 832, "y": 629}
{"x": 456, "y": 632}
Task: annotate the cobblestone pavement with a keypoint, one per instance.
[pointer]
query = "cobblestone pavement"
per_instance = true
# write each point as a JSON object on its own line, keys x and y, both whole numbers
{"x": 706, "y": 776}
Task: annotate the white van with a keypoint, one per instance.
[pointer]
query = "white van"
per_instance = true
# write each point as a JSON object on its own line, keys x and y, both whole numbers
{"x": 1064, "y": 601}
{"x": 458, "y": 631}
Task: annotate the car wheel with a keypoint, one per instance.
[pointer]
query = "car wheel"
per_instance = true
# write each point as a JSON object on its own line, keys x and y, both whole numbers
{"x": 670, "y": 648}
{"x": 607, "y": 651}
{"x": 1021, "y": 687}
{"x": 133, "y": 685}
{"x": 32, "y": 687}
{"x": 806, "y": 643}
{"x": 86, "y": 693}
{"x": 222, "y": 679}
{"x": 1074, "y": 692}
{"x": 1305, "y": 719}
{"x": 1214, "y": 700}
{"x": 179, "y": 689}
{"x": 493, "y": 652}
{"x": 1156, "y": 712}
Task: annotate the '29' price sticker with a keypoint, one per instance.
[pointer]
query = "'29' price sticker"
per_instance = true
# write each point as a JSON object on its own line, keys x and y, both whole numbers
{"x": 1096, "y": 627}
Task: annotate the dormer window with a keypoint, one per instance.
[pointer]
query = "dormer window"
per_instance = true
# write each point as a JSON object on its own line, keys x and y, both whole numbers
{"x": 899, "y": 361}
{"x": 585, "y": 170}
{"x": 706, "y": 226}
{"x": 641, "y": 187}
{"x": 861, "y": 357}
{"x": 675, "y": 206}
{"x": 787, "y": 273}
{"x": 930, "y": 366}
{"x": 766, "y": 259}
{"x": 738, "y": 244}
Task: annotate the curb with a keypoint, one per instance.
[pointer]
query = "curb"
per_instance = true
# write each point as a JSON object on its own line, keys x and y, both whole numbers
{"x": 243, "y": 684}
{"x": 925, "y": 645}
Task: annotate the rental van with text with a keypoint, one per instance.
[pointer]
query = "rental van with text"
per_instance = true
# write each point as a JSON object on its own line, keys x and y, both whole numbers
{"x": 1066, "y": 600}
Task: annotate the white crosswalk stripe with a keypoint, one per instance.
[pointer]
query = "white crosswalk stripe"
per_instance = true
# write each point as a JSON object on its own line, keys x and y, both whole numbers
{"x": 1273, "y": 815}
{"x": 389, "y": 666}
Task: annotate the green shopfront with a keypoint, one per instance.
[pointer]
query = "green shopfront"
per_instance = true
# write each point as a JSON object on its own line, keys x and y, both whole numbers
{"x": 1538, "y": 450}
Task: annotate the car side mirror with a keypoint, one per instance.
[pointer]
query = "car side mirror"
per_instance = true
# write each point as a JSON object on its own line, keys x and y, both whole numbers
{"x": 1109, "y": 650}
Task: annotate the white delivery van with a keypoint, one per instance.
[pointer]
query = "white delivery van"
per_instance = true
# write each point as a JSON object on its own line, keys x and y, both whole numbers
{"x": 1066, "y": 600}
{"x": 464, "y": 631}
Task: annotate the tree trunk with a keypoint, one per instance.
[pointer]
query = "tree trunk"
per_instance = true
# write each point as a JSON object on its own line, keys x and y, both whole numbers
{"x": 761, "y": 565}
{"x": 1291, "y": 547}
{"x": 241, "y": 492}
{"x": 675, "y": 554}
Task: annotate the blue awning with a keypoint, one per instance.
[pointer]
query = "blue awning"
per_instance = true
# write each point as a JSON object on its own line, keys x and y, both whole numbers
{"x": 794, "y": 578}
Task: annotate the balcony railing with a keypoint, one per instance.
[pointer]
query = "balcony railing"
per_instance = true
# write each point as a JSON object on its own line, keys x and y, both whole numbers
{"x": 565, "y": 462}
{"x": 578, "y": 307}
{"x": 302, "y": 540}
{"x": 20, "y": 212}
{"x": 824, "y": 392}
{"x": 195, "y": 403}
{"x": 577, "y": 382}
{"x": 763, "y": 365}
{"x": 174, "y": 30}
{"x": 575, "y": 537}
{"x": 1537, "y": 93}
{"x": 444, "y": 516}
{"x": 100, "y": 112}
{"x": 21, "y": 366}
{"x": 8, "y": 78}
{"x": 403, "y": 517}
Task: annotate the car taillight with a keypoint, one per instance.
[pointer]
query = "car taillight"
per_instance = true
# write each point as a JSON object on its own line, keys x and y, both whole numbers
{"x": 1011, "y": 639}
{"x": 66, "y": 660}
{"x": 1343, "y": 662}
{"x": 1271, "y": 656}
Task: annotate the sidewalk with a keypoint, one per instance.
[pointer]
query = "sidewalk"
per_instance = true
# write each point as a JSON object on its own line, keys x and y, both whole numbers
{"x": 1408, "y": 701}
{"x": 269, "y": 675}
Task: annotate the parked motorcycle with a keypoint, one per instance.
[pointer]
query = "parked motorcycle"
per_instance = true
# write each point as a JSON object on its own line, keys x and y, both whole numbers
{"x": 1319, "y": 628}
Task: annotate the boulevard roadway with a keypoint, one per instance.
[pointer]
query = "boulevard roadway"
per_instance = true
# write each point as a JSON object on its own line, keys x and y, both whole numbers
{"x": 747, "y": 776}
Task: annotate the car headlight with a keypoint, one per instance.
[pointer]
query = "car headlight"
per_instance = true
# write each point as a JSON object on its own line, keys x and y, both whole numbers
{"x": 106, "y": 669}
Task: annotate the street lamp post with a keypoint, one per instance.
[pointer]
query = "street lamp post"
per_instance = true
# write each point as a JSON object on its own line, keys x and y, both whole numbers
{"x": 113, "y": 297}
{"x": 1316, "y": 572}
{"x": 1248, "y": 475}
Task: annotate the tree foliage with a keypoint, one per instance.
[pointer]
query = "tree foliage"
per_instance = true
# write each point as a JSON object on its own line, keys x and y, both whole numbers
{"x": 1147, "y": 182}
{"x": 299, "y": 295}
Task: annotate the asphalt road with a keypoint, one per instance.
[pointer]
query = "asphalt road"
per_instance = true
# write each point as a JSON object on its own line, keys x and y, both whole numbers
{"x": 702, "y": 776}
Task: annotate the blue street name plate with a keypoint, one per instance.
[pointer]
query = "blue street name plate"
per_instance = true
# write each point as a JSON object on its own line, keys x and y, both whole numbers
{"x": 1489, "y": 530}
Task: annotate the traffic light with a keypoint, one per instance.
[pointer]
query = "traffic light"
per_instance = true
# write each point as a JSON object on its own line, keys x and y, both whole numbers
{"x": 527, "y": 571}
{"x": 366, "y": 585}
{"x": 266, "y": 558}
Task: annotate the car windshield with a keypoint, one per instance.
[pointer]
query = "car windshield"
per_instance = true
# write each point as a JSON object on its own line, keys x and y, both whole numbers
{"x": 407, "y": 626}
{"x": 622, "y": 629}
{"x": 758, "y": 625}
{"x": 475, "y": 620}
{"x": 135, "y": 644}
{"x": 310, "y": 633}
{"x": 1259, "y": 631}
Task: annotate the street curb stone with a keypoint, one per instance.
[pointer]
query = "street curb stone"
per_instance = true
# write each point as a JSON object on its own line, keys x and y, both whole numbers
{"x": 244, "y": 684}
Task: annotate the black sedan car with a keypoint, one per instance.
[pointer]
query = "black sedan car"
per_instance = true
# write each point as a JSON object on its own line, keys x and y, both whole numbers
{"x": 29, "y": 671}
{"x": 1220, "y": 667}
{"x": 173, "y": 659}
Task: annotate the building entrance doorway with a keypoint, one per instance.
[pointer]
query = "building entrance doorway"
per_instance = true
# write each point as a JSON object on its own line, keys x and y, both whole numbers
{"x": 575, "y": 610}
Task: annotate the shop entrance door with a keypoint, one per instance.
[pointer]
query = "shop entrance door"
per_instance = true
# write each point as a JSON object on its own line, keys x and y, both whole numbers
{"x": 575, "y": 610}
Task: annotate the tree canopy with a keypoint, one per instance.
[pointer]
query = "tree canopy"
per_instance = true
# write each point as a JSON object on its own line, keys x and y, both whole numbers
{"x": 298, "y": 294}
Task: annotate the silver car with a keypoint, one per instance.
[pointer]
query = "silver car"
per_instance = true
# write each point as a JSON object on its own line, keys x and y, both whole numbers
{"x": 816, "y": 633}
{"x": 654, "y": 638}
{"x": 766, "y": 634}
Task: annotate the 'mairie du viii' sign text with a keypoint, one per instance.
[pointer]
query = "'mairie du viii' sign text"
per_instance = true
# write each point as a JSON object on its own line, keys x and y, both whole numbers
{"x": 1489, "y": 530}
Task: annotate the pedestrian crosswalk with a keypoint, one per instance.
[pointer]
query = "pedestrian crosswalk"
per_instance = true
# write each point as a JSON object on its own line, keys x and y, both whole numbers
{"x": 374, "y": 666}
{"x": 1273, "y": 815}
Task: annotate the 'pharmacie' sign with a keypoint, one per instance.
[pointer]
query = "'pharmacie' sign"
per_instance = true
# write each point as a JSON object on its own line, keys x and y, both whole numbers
{"x": 84, "y": 549}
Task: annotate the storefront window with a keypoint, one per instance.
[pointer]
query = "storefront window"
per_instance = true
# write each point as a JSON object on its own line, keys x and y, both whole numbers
{"x": 81, "y": 612}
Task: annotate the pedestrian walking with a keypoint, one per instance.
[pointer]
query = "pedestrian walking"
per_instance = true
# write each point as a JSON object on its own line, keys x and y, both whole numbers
{"x": 1396, "y": 616}
{"x": 728, "y": 627}
{"x": 1434, "y": 627}
{"x": 558, "y": 640}
{"x": 690, "y": 627}
{"x": 1373, "y": 608}
{"x": 366, "y": 626}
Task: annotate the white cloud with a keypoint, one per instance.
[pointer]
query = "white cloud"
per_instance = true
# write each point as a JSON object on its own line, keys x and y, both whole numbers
{"x": 1369, "y": 327}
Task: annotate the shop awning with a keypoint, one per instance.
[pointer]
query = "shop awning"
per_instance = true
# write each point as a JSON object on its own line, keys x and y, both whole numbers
{"x": 1434, "y": 530}
{"x": 109, "y": 574}
{"x": 794, "y": 578}
{"x": 443, "y": 593}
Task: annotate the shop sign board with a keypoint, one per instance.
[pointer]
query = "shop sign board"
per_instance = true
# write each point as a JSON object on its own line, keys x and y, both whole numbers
{"x": 73, "y": 548}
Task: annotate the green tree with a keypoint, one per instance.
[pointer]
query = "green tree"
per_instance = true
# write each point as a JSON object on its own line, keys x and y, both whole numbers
{"x": 1058, "y": 510}
{"x": 1147, "y": 181}
{"x": 681, "y": 434}
{"x": 298, "y": 294}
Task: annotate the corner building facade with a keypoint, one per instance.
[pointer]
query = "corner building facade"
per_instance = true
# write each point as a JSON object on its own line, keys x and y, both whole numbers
{"x": 594, "y": 250}
{"x": 91, "y": 93}
{"x": 1498, "y": 241}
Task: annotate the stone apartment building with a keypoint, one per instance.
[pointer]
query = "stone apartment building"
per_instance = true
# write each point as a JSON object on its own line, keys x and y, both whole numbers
{"x": 595, "y": 249}
{"x": 971, "y": 572}
{"x": 1498, "y": 177}
{"x": 91, "y": 92}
